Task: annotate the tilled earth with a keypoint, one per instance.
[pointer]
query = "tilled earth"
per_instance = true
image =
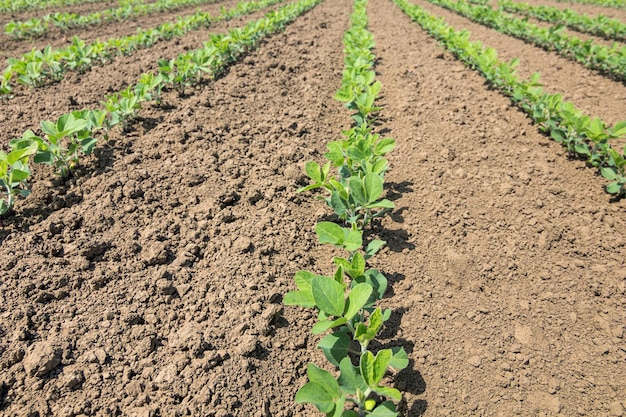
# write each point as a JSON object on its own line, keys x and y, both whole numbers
{"x": 151, "y": 283}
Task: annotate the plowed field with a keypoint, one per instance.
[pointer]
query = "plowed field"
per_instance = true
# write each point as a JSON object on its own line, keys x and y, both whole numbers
{"x": 150, "y": 283}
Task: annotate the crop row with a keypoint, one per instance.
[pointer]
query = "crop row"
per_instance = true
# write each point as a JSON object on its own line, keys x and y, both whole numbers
{"x": 346, "y": 300}
{"x": 595, "y": 25}
{"x": 64, "y": 141}
{"x": 19, "y": 5}
{"x": 583, "y": 136}
{"x": 37, "y": 27}
{"x": 40, "y": 67}
{"x": 608, "y": 60}
{"x": 617, "y": 4}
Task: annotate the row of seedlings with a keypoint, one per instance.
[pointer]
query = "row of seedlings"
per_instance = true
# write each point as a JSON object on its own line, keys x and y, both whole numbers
{"x": 12, "y": 6}
{"x": 616, "y": 4}
{"x": 41, "y": 67}
{"x": 599, "y": 25}
{"x": 584, "y": 137}
{"x": 38, "y": 26}
{"x": 610, "y": 60}
{"x": 73, "y": 135}
{"x": 346, "y": 301}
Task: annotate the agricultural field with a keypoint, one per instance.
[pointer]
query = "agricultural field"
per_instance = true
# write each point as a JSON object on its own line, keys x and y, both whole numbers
{"x": 203, "y": 213}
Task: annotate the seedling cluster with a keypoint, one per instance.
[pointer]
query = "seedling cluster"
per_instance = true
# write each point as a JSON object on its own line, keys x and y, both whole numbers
{"x": 346, "y": 301}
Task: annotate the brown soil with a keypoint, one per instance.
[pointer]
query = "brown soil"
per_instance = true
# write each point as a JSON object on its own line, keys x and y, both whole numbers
{"x": 151, "y": 282}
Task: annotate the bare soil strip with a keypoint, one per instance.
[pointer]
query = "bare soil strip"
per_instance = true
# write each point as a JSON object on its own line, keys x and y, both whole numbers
{"x": 595, "y": 94}
{"x": 508, "y": 262}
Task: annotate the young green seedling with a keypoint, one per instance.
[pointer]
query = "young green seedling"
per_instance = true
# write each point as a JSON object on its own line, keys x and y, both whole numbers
{"x": 63, "y": 143}
{"x": 346, "y": 305}
{"x": 14, "y": 172}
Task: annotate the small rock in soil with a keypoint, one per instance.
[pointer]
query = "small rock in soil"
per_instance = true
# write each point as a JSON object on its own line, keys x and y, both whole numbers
{"x": 242, "y": 244}
{"x": 73, "y": 377}
{"x": 42, "y": 357}
{"x": 246, "y": 345}
{"x": 474, "y": 361}
{"x": 616, "y": 409}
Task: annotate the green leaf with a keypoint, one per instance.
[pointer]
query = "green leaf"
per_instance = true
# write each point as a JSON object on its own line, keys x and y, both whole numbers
{"x": 353, "y": 240}
{"x": 373, "y": 368}
{"x": 339, "y": 406}
{"x": 384, "y": 146}
{"x": 350, "y": 379}
{"x": 388, "y": 392}
{"x": 50, "y": 129}
{"x": 316, "y": 394}
{"x": 384, "y": 204}
{"x": 339, "y": 205}
{"x": 384, "y": 409}
{"x": 299, "y": 298}
{"x": 21, "y": 152}
{"x": 366, "y": 333}
{"x": 582, "y": 149}
{"x": 357, "y": 266}
{"x": 335, "y": 346}
{"x": 350, "y": 413}
{"x": 399, "y": 360}
{"x": 373, "y": 185}
{"x": 325, "y": 379}
{"x": 620, "y": 128}
{"x": 314, "y": 171}
{"x": 44, "y": 157}
{"x": 4, "y": 207}
{"x": 357, "y": 299}
{"x": 377, "y": 281}
{"x": 329, "y": 232}
{"x": 614, "y": 188}
{"x": 17, "y": 175}
{"x": 373, "y": 247}
{"x": 357, "y": 191}
{"x": 324, "y": 325}
{"x": 328, "y": 295}
{"x": 609, "y": 173}
{"x": 88, "y": 144}
{"x": 304, "y": 297}
{"x": 339, "y": 275}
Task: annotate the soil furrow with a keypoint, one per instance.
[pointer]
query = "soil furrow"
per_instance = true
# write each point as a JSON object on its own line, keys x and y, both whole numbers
{"x": 171, "y": 251}
{"x": 595, "y": 94}
{"x": 57, "y": 38}
{"x": 498, "y": 246}
{"x": 77, "y": 91}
